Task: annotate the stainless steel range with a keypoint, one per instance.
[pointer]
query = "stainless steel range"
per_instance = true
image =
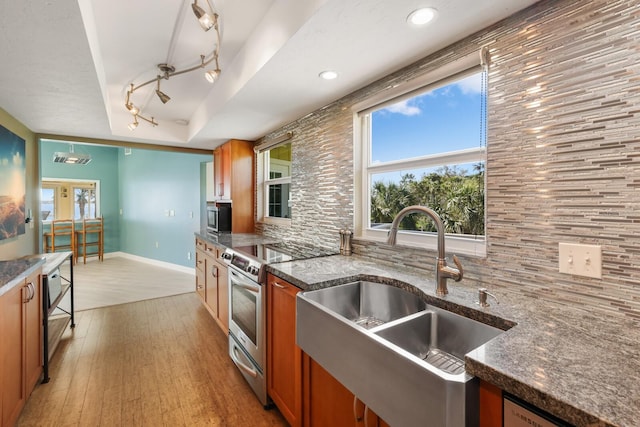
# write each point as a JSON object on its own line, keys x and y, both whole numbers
{"x": 248, "y": 306}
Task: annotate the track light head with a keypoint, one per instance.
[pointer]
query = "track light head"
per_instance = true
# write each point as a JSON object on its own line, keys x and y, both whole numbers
{"x": 132, "y": 108}
{"x": 163, "y": 96}
{"x": 134, "y": 124}
{"x": 212, "y": 75}
{"x": 206, "y": 21}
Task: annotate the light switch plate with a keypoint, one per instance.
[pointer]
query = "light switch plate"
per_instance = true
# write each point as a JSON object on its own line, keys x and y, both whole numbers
{"x": 581, "y": 260}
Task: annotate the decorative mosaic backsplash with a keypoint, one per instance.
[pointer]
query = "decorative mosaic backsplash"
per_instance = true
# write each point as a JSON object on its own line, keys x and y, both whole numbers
{"x": 563, "y": 155}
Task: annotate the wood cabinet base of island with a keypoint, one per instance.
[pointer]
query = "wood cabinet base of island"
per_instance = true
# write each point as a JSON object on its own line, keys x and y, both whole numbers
{"x": 21, "y": 351}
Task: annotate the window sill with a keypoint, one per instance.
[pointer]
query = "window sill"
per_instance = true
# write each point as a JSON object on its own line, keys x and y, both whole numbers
{"x": 471, "y": 246}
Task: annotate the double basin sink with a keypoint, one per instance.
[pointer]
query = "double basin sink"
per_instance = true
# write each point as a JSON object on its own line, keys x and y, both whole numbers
{"x": 402, "y": 357}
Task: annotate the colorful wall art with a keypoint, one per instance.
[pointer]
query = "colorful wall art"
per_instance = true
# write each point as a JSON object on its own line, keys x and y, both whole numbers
{"x": 12, "y": 184}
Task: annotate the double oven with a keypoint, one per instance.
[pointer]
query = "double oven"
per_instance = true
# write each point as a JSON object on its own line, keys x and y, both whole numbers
{"x": 248, "y": 311}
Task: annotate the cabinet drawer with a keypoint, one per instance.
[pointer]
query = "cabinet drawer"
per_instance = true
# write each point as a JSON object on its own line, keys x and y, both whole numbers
{"x": 200, "y": 244}
{"x": 200, "y": 257}
{"x": 210, "y": 249}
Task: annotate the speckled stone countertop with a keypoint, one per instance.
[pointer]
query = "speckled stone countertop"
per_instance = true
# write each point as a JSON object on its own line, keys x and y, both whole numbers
{"x": 229, "y": 240}
{"x": 12, "y": 272}
{"x": 578, "y": 366}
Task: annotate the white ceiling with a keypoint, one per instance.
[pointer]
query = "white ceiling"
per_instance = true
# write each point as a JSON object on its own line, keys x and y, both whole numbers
{"x": 66, "y": 65}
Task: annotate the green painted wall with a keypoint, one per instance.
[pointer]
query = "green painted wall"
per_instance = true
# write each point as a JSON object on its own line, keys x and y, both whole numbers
{"x": 152, "y": 185}
{"x": 103, "y": 167}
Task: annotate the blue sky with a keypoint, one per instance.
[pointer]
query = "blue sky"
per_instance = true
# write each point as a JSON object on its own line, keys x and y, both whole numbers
{"x": 12, "y": 166}
{"x": 445, "y": 119}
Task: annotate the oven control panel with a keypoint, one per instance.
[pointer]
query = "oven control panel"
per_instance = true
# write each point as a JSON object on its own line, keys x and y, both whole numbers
{"x": 244, "y": 264}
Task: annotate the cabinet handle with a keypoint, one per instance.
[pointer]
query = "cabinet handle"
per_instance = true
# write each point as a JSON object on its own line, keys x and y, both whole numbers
{"x": 355, "y": 410}
{"x": 214, "y": 271}
{"x": 366, "y": 412}
{"x": 33, "y": 290}
{"x": 278, "y": 285}
{"x": 25, "y": 299}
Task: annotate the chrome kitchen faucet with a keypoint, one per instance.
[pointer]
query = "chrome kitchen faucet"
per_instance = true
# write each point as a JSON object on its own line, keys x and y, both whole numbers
{"x": 443, "y": 271}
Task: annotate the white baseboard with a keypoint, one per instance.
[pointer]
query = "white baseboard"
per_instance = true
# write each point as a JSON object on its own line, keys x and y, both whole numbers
{"x": 171, "y": 266}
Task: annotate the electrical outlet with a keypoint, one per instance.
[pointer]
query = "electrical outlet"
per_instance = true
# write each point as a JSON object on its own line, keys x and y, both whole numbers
{"x": 188, "y": 255}
{"x": 172, "y": 213}
{"x": 580, "y": 260}
{"x": 157, "y": 245}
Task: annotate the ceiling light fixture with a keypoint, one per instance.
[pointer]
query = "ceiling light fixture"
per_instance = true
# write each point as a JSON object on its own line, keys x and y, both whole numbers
{"x": 71, "y": 157}
{"x": 328, "y": 75}
{"x": 422, "y": 16}
{"x": 207, "y": 21}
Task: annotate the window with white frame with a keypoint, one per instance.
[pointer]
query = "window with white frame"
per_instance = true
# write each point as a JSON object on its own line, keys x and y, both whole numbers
{"x": 426, "y": 146}
{"x": 69, "y": 199}
{"x": 276, "y": 185}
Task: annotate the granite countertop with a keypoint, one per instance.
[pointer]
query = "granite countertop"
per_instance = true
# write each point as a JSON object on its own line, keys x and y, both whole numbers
{"x": 13, "y": 272}
{"x": 229, "y": 240}
{"x": 577, "y": 365}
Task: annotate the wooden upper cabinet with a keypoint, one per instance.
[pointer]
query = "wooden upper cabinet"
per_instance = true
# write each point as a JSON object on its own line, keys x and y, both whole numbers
{"x": 234, "y": 180}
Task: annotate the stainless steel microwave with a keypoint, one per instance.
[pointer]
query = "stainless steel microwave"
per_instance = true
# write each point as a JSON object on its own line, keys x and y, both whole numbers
{"x": 219, "y": 218}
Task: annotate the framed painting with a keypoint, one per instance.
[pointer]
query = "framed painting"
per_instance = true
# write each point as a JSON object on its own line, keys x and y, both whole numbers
{"x": 12, "y": 184}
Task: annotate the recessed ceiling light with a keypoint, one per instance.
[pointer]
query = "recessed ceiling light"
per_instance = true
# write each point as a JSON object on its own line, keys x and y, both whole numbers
{"x": 422, "y": 16}
{"x": 328, "y": 75}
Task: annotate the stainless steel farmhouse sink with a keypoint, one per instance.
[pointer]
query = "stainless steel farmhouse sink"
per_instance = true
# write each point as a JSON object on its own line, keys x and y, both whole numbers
{"x": 399, "y": 355}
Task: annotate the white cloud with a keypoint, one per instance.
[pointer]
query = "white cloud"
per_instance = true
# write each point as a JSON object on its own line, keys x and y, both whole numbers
{"x": 17, "y": 159}
{"x": 470, "y": 85}
{"x": 404, "y": 108}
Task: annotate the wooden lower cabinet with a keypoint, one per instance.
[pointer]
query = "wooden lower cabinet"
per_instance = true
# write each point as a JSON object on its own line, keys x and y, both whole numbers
{"x": 222, "y": 310}
{"x": 284, "y": 358}
{"x": 490, "y": 405}
{"x": 212, "y": 282}
{"x": 328, "y": 403}
{"x": 21, "y": 351}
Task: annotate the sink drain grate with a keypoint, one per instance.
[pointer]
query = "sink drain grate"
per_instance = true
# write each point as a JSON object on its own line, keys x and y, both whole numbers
{"x": 368, "y": 322}
{"x": 444, "y": 361}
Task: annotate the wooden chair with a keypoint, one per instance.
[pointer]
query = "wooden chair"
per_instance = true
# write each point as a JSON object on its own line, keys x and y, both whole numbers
{"x": 61, "y": 236}
{"x": 91, "y": 236}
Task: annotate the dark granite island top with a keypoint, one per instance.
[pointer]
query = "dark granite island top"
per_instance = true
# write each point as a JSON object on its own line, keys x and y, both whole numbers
{"x": 579, "y": 366}
{"x": 12, "y": 272}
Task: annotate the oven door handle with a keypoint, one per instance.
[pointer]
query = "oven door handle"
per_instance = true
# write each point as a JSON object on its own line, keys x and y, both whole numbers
{"x": 250, "y": 371}
{"x": 254, "y": 289}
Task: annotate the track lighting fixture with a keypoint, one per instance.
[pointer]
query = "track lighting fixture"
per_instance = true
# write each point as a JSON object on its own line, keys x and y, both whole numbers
{"x": 207, "y": 21}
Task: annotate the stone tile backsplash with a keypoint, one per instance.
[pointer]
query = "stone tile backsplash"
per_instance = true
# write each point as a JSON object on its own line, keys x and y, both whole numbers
{"x": 563, "y": 155}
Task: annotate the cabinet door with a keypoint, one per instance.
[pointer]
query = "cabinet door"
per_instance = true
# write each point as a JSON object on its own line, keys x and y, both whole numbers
{"x": 33, "y": 332}
{"x": 490, "y": 405}
{"x": 328, "y": 403}
{"x": 211, "y": 285}
{"x": 284, "y": 359}
{"x": 223, "y": 294}
{"x": 222, "y": 171}
{"x": 12, "y": 305}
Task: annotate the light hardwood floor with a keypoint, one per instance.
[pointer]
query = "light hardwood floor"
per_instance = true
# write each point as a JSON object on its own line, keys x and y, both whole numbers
{"x": 120, "y": 280}
{"x": 159, "y": 362}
